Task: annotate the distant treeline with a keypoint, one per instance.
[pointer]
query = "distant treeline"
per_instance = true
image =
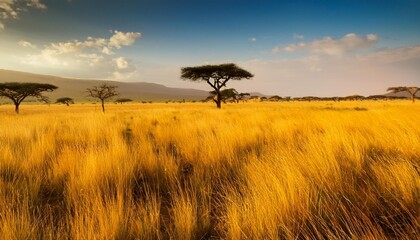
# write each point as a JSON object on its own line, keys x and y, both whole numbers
{"x": 247, "y": 97}
{"x": 335, "y": 99}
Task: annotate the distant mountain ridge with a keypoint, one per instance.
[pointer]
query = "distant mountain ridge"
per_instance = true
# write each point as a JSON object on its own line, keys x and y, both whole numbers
{"x": 76, "y": 88}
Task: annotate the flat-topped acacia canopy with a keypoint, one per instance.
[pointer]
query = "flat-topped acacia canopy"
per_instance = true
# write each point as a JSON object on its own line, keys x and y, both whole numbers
{"x": 17, "y": 92}
{"x": 215, "y": 75}
{"x": 222, "y": 71}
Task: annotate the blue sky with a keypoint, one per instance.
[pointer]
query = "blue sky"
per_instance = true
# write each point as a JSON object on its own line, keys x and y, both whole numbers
{"x": 294, "y": 48}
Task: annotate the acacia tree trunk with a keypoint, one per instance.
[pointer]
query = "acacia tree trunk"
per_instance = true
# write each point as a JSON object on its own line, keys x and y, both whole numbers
{"x": 103, "y": 105}
{"x": 413, "y": 97}
{"x": 17, "y": 103}
{"x": 219, "y": 100}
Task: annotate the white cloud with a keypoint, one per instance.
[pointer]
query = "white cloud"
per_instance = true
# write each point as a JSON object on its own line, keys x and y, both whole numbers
{"x": 7, "y": 9}
{"x": 107, "y": 51}
{"x": 105, "y": 46}
{"x": 349, "y": 43}
{"x": 90, "y": 55}
{"x": 290, "y": 48}
{"x": 121, "y": 62}
{"x": 92, "y": 58}
{"x": 123, "y": 39}
{"x": 26, "y": 44}
{"x": 298, "y": 36}
{"x": 10, "y": 9}
{"x": 372, "y": 37}
{"x": 35, "y": 4}
{"x": 96, "y": 45}
{"x": 276, "y": 49}
{"x": 294, "y": 47}
{"x": 333, "y": 47}
{"x": 252, "y": 39}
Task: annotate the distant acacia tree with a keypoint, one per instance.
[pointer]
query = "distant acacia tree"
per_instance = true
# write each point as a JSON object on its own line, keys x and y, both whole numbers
{"x": 123, "y": 100}
{"x": 354, "y": 97}
{"x": 65, "y": 100}
{"x": 103, "y": 92}
{"x": 17, "y": 92}
{"x": 226, "y": 94}
{"x": 411, "y": 90}
{"x": 275, "y": 98}
{"x": 216, "y": 76}
{"x": 243, "y": 96}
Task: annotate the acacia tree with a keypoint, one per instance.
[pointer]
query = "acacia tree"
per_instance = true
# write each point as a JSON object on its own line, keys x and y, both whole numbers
{"x": 275, "y": 98}
{"x": 123, "y": 100}
{"x": 411, "y": 90}
{"x": 226, "y": 94}
{"x": 65, "y": 100}
{"x": 243, "y": 96}
{"x": 216, "y": 76}
{"x": 17, "y": 92}
{"x": 103, "y": 92}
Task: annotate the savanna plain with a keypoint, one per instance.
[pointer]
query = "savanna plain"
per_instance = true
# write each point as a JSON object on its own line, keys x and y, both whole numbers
{"x": 286, "y": 170}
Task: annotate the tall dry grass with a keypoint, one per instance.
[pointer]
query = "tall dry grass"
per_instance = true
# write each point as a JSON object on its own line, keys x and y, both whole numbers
{"x": 189, "y": 171}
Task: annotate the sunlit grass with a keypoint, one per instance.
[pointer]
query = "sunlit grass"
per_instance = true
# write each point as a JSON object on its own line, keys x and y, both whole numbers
{"x": 347, "y": 170}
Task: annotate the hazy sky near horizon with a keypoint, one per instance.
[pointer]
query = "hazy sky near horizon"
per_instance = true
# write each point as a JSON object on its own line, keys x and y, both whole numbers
{"x": 294, "y": 48}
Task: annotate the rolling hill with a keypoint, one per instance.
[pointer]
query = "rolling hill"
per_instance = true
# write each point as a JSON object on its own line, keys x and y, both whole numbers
{"x": 76, "y": 88}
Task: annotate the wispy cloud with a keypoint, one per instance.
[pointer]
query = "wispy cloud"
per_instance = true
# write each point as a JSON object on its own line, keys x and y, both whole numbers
{"x": 294, "y": 47}
{"x": 27, "y": 44}
{"x": 392, "y": 55}
{"x": 332, "y": 47}
{"x": 92, "y": 54}
{"x": 120, "y": 39}
{"x": 252, "y": 39}
{"x": 121, "y": 62}
{"x": 35, "y": 4}
{"x": 298, "y": 36}
{"x": 11, "y": 9}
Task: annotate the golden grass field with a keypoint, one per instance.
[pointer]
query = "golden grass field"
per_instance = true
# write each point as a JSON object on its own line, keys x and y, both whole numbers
{"x": 292, "y": 170}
